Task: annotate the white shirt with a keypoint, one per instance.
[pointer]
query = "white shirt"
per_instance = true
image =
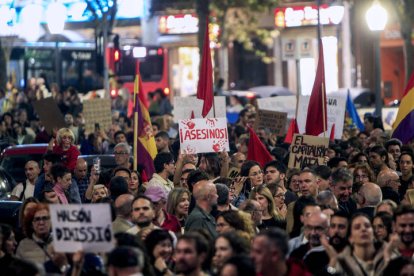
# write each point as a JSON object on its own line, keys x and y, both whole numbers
{"x": 28, "y": 192}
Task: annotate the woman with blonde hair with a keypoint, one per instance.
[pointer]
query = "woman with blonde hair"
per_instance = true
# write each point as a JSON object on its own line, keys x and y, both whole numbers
{"x": 63, "y": 145}
{"x": 178, "y": 204}
{"x": 270, "y": 215}
{"x": 409, "y": 197}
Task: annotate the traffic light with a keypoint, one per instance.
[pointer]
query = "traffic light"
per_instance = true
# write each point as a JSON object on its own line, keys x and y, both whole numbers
{"x": 117, "y": 53}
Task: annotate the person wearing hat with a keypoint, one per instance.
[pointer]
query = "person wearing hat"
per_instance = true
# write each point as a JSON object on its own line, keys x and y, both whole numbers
{"x": 125, "y": 260}
{"x": 162, "y": 219}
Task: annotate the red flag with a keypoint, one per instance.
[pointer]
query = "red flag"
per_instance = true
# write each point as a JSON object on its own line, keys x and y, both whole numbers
{"x": 316, "y": 121}
{"x": 332, "y": 136}
{"x": 257, "y": 151}
{"x": 292, "y": 130}
{"x": 192, "y": 114}
{"x": 205, "y": 79}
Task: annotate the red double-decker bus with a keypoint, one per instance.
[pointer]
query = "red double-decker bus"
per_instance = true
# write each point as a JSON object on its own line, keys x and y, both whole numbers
{"x": 153, "y": 67}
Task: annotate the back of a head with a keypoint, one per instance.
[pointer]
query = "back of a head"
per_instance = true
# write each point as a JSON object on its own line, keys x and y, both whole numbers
{"x": 201, "y": 243}
{"x": 372, "y": 193}
{"x": 162, "y": 134}
{"x": 118, "y": 186}
{"x": 278, "y": 239}
{"x": 341, "y": 175}
{"x": 123, "y": 257}
{"x": 223, "y": 194}
{"x": 323, "y": 171}
{"x": 194, "y": 177}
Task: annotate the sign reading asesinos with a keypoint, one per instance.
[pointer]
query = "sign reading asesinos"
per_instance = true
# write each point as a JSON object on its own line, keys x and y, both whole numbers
{"x": 307, "y": 150}
{"x": 85, "y": 227}
{"x": 203, "y": 135}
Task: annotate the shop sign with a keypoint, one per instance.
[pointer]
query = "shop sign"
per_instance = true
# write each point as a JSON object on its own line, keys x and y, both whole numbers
{"x": 178, "y": 24}
{"x": 298, "y": 16}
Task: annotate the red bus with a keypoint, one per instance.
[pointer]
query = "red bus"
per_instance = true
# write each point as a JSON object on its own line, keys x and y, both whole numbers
{"x": 153, "y": 63}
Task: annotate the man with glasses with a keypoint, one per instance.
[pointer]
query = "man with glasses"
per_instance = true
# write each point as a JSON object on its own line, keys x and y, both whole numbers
{"x": 255, "y": 210}
{"x": 275, "y": 176}
{"x": 122, "y": 152}
{"x": 315, "y": 227}
{"x": 164, "y": 169}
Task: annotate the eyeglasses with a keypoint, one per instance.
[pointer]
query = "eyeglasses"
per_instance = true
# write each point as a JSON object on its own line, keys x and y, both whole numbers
{"x": 44, "y": 218}
{"x": 120, "y": 152}
{"x": 311, "y": 228}
{"x": 279, "y": 195}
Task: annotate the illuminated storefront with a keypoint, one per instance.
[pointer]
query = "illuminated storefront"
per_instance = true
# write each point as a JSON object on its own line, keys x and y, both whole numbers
{"x": 296, "y": 47}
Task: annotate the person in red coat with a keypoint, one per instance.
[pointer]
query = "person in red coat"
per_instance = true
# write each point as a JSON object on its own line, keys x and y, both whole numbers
{"x": 63, "y": 145}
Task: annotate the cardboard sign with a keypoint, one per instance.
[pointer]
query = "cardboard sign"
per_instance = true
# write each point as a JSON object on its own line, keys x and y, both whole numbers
{"x": 307, "y": 150}
{"x": 336, "y": 105}
{"x": 49, "y": 113}
{"x": 233, "y": 172}
{"x": 203, "y": 135}
{"x": 84, "y": 227}
{"x": 97, "y": 111}
{"x": 272, "y": 120}
{"x": 184, "y": 106}
{"x": 280, "y": 103}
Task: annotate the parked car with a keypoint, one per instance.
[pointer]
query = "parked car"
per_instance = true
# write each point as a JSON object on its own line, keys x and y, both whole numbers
{"x": 361, "y": 97}
{"x": 14, "y": 158}
{"x": 271, "y": 91}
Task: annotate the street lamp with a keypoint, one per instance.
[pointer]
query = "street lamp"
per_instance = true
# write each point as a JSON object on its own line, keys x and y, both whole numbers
{"x": 55, "y": 18}
{"x": 376, "y": 18}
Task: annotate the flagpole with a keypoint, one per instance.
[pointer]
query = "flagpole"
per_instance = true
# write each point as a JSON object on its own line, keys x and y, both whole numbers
{"x": 136, "y": 101}
{"x": 323, "y": 107}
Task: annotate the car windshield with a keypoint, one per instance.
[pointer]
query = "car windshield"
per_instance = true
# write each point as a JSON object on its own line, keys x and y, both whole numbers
{"x": 14, "y": 165}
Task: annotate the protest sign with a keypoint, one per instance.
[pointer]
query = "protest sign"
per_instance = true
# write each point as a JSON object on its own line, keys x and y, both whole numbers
{"x": 97, "y": 111}
{"x": 233, "y": 172}
{"x": 335, "y": 105}
{"x": 49, "y": 113}
{"x": 203, "y": 135}
{"x": 272, "y": 120}
{"x": 280, "y": 103}
{"x": 307, "y": 150}
{"x": 84, "y": 227}
{"x": 184, "y": 106}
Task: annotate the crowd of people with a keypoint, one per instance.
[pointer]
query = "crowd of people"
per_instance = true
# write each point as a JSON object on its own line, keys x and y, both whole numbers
{"x": 214, "y": 213}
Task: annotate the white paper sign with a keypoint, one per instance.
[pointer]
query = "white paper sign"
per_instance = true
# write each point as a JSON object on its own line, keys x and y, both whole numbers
{"x": 336, "y": 113}
{"x": 203, "y": 135}
{"x": 84, "y": 227}
{"x": 184, "y": 106}
{"x": 280, "y": 103}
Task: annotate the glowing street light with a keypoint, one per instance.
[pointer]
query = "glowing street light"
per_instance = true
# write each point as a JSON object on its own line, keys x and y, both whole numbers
{"x": 376, "y": 18}
{"x": 55, "y": 17}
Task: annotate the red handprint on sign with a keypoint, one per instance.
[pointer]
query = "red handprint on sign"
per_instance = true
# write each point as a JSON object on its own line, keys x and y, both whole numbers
{"x": 189, "y": 124}
{"x": 219, "y": 146}
{"x": 211, "y": 122}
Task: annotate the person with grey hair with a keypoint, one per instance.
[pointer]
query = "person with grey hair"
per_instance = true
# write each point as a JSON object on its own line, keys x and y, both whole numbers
{"x": 369, "y": 196}
{"x": 123, "y": 208}
{"x": 341, "y": 186}
{"x": 122, "y": 152}
{"x": 327, "y": 199}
